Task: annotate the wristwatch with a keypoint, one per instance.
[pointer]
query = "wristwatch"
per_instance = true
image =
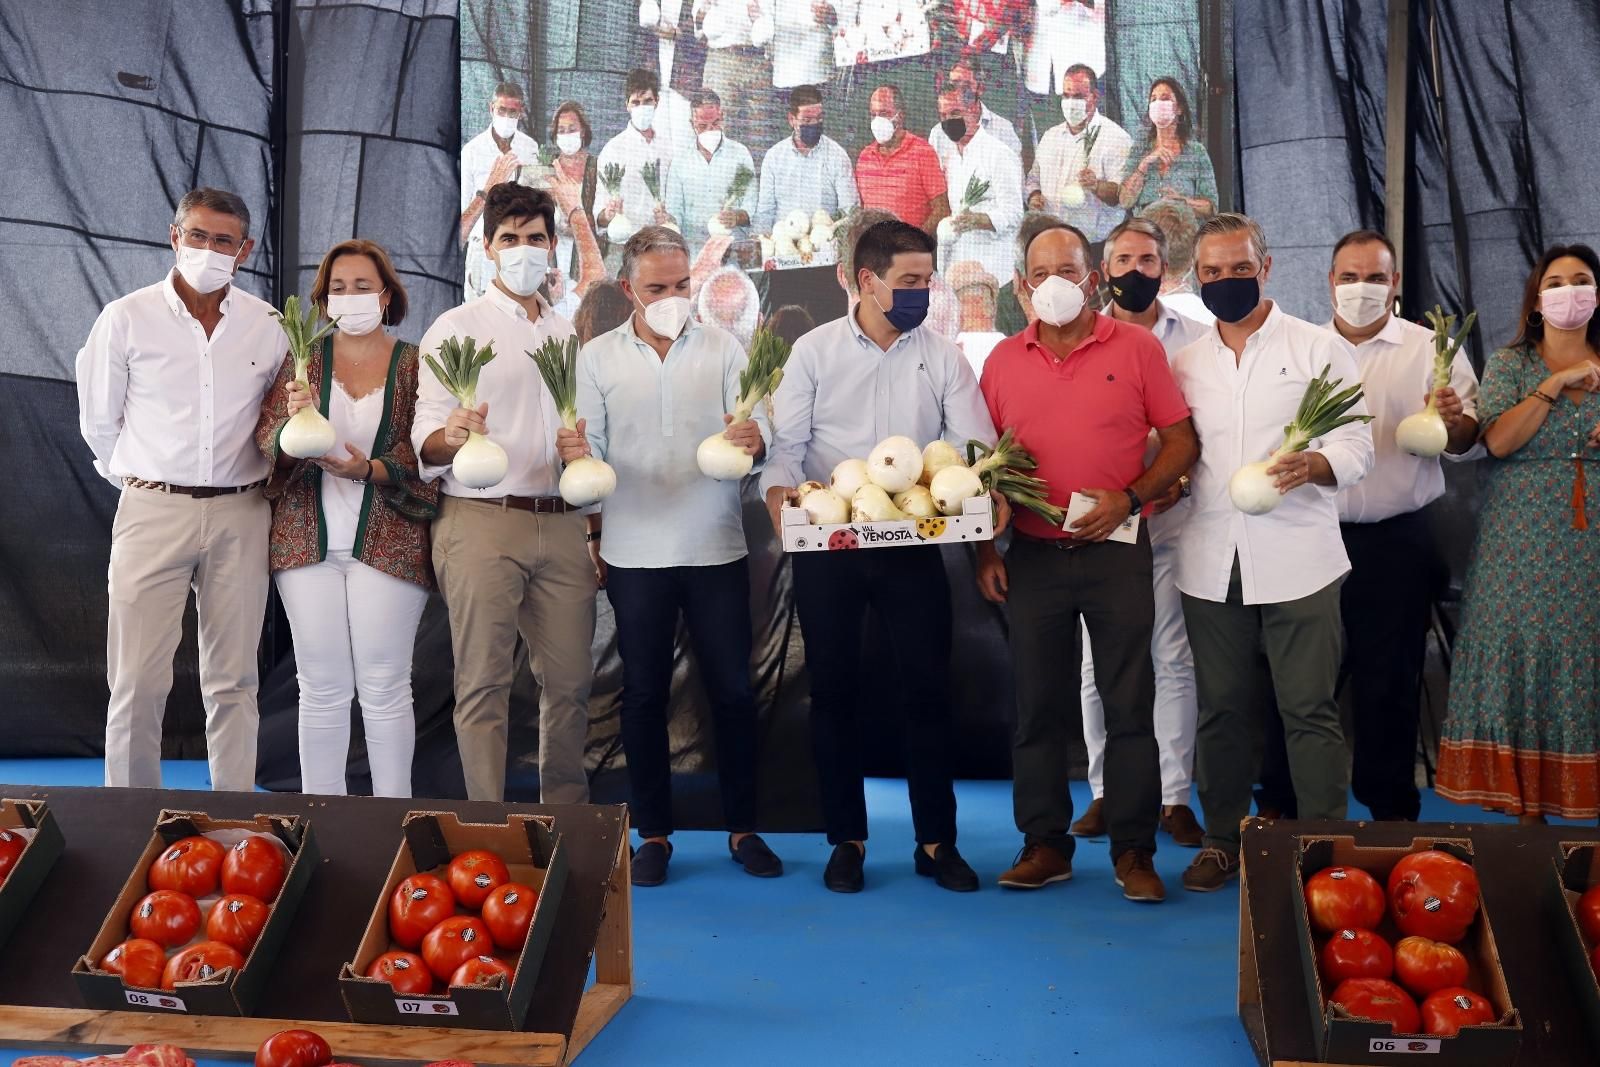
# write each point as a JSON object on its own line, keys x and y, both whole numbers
{"x": 1183, "y": 485}
{"x": 1134, "y": 503}
{"x": 591, "y": 537}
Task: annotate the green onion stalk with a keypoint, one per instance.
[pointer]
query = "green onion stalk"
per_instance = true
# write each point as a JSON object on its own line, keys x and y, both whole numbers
{"x": 1424, "y": 433}
{"x": 307, "y": 434}
{"x": 480, "y": 463}
{"x": 719, "y": 457}
{"x": 586, "y": 480}
{"x": 1323, "y": 409}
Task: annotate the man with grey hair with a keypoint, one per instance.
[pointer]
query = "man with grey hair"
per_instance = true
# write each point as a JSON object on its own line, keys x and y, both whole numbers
{"x": 1270, "y": 580}
{"x": 1178, "y": 224}
{"x": 1013, "y": 311}
{"x": 170, "y": 384}
{"x": 649, "y": 393}
{"x": 729, "y": 299}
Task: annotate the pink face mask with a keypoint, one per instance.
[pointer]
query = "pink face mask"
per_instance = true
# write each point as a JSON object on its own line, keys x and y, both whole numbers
{"x": 1567, "y": 307}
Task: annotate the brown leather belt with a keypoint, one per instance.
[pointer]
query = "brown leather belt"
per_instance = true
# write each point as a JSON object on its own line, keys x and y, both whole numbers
{"x": 199, "y": 492}
{"x": 539, "y": 505}
{"x": 1061, "y": 543}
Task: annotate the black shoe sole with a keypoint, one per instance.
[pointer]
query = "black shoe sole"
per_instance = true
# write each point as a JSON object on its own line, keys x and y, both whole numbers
{"x": 757, "y": 874}
{"x": 942, "y": 884}
{"x": 1209, "y": 888}
{"x": 835, "y": 887}
{"x": 648, "y": 884}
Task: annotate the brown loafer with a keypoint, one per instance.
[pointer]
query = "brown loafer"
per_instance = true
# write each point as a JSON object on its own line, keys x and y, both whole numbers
{"x": 1093, "y": 823}
{"x": 1037, "y": 866}
{"x": 1136, "y": 874}
{"x": 1180, "y": 824}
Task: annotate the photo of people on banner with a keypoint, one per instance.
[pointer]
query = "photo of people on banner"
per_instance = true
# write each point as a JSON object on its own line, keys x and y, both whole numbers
{"x": 757, "y": 127}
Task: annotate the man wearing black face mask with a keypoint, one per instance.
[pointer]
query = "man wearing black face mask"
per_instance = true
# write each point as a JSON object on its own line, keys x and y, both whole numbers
{"x": 807, "y": 171}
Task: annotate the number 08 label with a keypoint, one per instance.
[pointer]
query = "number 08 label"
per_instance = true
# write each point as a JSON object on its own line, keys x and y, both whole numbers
{"x": 158, "y": 1001}
{"x": 1402, "y": 1046}
{"x": 408, "y": 1006}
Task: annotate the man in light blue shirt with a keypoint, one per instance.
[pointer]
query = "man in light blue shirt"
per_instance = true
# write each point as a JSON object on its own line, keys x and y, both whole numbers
{"x": 701, "y": 184}
{"x": 806, "y": 171}
{"x": 649, "y": 392}
{"x": 872, "y": 374}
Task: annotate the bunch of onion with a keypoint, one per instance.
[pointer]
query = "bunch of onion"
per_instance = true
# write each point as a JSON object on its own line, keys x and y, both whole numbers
{"x": 586, "y": 480}
{"x": 480, "y": 462}
{"x": 719, "y": 457}
{"x": 307, "y": 434}
{"x": 1322, "y": 410}
{"x": 1072, "y": 194}
{"x": 651, "y": 173}
{"x": 972, "y": 197}
{"x": 1425, "y": 434}
{"x": 619, "y": 229}
{"x": 742, "y": 179}
{"x": 1003, "y": 469}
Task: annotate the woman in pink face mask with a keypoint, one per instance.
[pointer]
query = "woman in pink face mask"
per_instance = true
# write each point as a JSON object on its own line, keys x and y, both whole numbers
{"x": 1175, "y": 164}
{"x": 1523, "y": 734}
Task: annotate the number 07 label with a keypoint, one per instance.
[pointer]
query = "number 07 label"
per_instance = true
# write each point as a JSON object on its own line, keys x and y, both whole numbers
{"x": 408, "y": 1006}
{"x": 1404, "y": 1045}
{"x": 158, "y": 1001}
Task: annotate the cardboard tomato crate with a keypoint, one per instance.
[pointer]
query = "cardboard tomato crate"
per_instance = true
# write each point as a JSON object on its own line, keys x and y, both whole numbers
{"x": 228, "y": 992}
{"x": 32, "y": 821}
{"x": 1348, "y": 1040}
{"x": 532, "y": 852}
{"x": 975, "y": 523}
{"x": 1577, "y": 870}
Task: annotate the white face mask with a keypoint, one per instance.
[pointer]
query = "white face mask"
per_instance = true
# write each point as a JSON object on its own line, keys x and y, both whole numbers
{"x": 523, "y": 268}
{"x": 642, "y": 116}
{"x": 205, "y": 271}
{"x": 1074, "y": 109}
{"x": 569, "y": 143}
{"x": 882, "y": 129}
{"x": 1360, "y": 304}
{"x": 356, "y": 314}
{"x": 503, "y": 127}
{"x": 710, "y": 140}
{"x": 667, "y": 315}
{"x": 1058, "y": 301}
{"x": 1163, "y": 113}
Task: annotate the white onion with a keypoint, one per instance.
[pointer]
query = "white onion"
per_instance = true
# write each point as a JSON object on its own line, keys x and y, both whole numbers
{"x": 805, "y": 487}
{"x": 307, "y": 435}
{"x": 895, "y": 464}
{"x": 1072, "y": 195}
{"x": 715, "y": 228}
{"x": 721, "y": 459}
{"x": 917, "y": 502}
{"x": 619, "y": 229}
{"x": 952, "y": 487}
{"x": 1252, "y": 490}
{"x": 849, "y": 476}
{"x": 480, "y": 463}
{"x": 936, "y": 456}
{"x": 872, "y": 504}
{"x": 587, "y": 481}
{"x": 821, "y": 220}
{"x": 823, "y": 505}
{"x": 946, "y": 230}
{"x": 796, "y": 225}
{"x": 649, "y": 14}
{"x": 1423, "y": 434}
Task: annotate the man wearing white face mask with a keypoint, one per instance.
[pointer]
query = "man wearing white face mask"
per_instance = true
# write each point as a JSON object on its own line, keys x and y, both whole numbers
{"x": 637, "y": 147}
{"x": 899, "y": 172}
{"x": 1077, "y": 171}
{"x": 513, "y": 558}
{"x": 1395, "y": 572}
{"x": 170, "y": 383}
{"x": 701, "y": 188}
{"x": 492, "y": 157}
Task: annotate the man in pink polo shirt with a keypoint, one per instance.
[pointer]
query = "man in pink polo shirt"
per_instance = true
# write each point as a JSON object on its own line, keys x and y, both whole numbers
{"x": 899, "y": 172}
{"x": 1082, "y": 392}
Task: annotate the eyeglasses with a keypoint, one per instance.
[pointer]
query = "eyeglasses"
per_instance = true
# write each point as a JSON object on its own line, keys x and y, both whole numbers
{"x": 217, "y": 242}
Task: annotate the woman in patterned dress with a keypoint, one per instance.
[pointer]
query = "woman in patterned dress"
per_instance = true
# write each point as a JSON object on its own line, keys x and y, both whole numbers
{"x": 1523, "y": 734}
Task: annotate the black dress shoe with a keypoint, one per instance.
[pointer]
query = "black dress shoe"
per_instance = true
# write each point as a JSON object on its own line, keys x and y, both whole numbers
{"x": 947, "y": 868}
{"x": 650, "y": 863}
{"x": 755, "y": 857}
{"x": 843, "y": 873}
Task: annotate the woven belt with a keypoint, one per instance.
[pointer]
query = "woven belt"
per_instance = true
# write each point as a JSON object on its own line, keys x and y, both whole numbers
{"x": 539, "y": 505}
{"x": 199, "y": 492}
{"x": 1061, "y": 543}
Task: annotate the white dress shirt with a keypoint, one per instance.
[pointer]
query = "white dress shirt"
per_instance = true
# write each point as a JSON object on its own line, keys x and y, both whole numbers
{"x": 986, "y": 159}
{"x": 1239, "y": 411}
{"x": 1175, "y": 332}
{"x": 355, "y": 421}
{"x": 522, "y": 415}
{"x": 792, "y": 180}
{"x": 161, "y": 401}
{"x": 842, "y": 394}
{"x": 1189, "y": 305}
{"x": 700, "y": 186}
{"x": 1065, "y": 33}
{"x": 632, "y": 151}
{"x": 728, "y": 23}
{"x": 1396, "y": 369}
{"x": 646, "y": 417}
{"x": 997, "y": 126}
{"x": 802, "y": 48}
{"x": 1061, "y": 157}
{"x": 477, "y": 160}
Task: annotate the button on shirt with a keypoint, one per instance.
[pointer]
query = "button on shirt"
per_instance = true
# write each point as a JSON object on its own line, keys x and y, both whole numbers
{"x": 986, "y": 159}
{"x": 161, "y": 401}
{"x": 1085, "y": 418}
{"x": 996, "y": 126}
{"x": 841, "y": 394}
{"x": 477, "y": 160}
{"x": 699, "y": 188}
{"x": 632, "y": 152}
{"x": 1396, "y": 369}
{"x": 646, "y": 417}
{"x": 792, "y": 180}
{"x": 901, "y": 182}
{"x": 522, "y": 416}
{"x": 1239, "y": 411}
{"x": 1063, "y": 154}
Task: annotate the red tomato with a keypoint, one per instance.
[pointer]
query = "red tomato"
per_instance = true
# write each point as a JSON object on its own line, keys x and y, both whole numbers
{"x": 11, "y": 846}
{"x": 166, "y": 917}
{"x": 1341, "y": 897}
{"x": 294, "y": 1048}
{"x": 1356, "y": 954}
{"x": 1589, "y": 914}
{"x": 199, "y": 962}
{"x": 1594, "y": 962}
{"x": 188, "y": 866}
{"x": 406, "y": 971}
{"x": 1379, "y": 1000}
{"x": 454, "y": 942}
{"x": 1423, "y": 966}
{"x": 508, "y": 912}
{"x": 1434, "y": 895}
{"x": 237, "y": 920}
{"x": 473, "y": 876}
{"x": 1446, "y": 1011}
{"x": 420, "y": 903}
{"x": 138, "y": 961}
{"x": 254, "y": 867}
{"x": 481, "y": 970}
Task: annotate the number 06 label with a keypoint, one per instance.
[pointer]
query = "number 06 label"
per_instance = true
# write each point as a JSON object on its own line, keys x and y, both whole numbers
{"x": 407, "y": 1006}
{"x": 1404, "y": 1045}
{"x": 157, "y": 1001}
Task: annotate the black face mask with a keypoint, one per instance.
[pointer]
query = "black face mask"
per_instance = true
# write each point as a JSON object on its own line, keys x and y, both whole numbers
{"x": 955, "y": 128}
{"x": 1231, "y": 299}
{"x": 1134, "y": 291}
{"x": 811, "y": 134}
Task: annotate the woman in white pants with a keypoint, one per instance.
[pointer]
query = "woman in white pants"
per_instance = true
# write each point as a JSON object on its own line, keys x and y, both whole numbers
{"x": 350, "y": 544}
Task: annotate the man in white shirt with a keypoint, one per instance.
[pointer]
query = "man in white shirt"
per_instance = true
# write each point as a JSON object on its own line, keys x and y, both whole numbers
{"x": 1066, "y": 34}
{"x": 1395, "y": 572}
{"x": 802, "y": 44}
{"x": 738, "y": 68}
{"x": 701, "y": 186}
{"x": 1268, "y": 581}
{"x": 1078, "y": 170}
{"x": 170, "y": 385}
{"x": 1135, "y": 260}
{"x": 807, "y": 170}
{"x": 493, "y": 156}
{"x": 512, "y": 558}
{"x": 639, "y": 146}
{"x": 985, "y": 230}
{"x": 648, "y": 393}
{"x": 871, "y": 374}
{"x": 997, "y": 126}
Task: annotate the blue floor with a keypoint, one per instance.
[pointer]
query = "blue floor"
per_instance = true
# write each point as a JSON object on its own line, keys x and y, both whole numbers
{"x": 730, "y": 969}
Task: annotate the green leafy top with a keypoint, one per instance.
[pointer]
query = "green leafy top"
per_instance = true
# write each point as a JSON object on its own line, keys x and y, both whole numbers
{"x": 761, "y": 375}
{"x": 651, "y": 173}
{"x": 612, "y": 177}
{"x": 1004, "y": 468}
{"x": 739, "y": 186}
{"x": 557, "y": 361}
{"x": 1322, "y": 410}
{"x": 1446, "y": 345}
{"x": 458, "y": 366}
{"x": 302, "y": 332}
{"x": 548, "y": 154}
{"x": 977, "y": 192}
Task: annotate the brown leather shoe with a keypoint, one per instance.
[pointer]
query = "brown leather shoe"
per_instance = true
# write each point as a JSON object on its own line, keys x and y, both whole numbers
{"x": 1136, "y": 874}
{"x": 1093, "y": 823}
{"x": 1181, "y": 825}
{"x": 1036, "y": 867}
{"x": 1210, "y": 871}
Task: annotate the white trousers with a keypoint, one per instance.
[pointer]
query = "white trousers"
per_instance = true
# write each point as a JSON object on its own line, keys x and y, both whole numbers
{"x": 354, "y": 628}
{"x": 1177, "y": 707}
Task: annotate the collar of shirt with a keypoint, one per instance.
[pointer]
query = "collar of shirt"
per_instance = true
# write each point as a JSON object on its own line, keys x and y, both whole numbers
{"x": 1393, "y": 333}
{"x": 867, "y": 342}
{"x": 907, "y": 142}
{"x": 179, "y": 308}
{"x": 1102, "y": 329}
{"x": 1255, "y": 341}
{"x": 502, "y": 300}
